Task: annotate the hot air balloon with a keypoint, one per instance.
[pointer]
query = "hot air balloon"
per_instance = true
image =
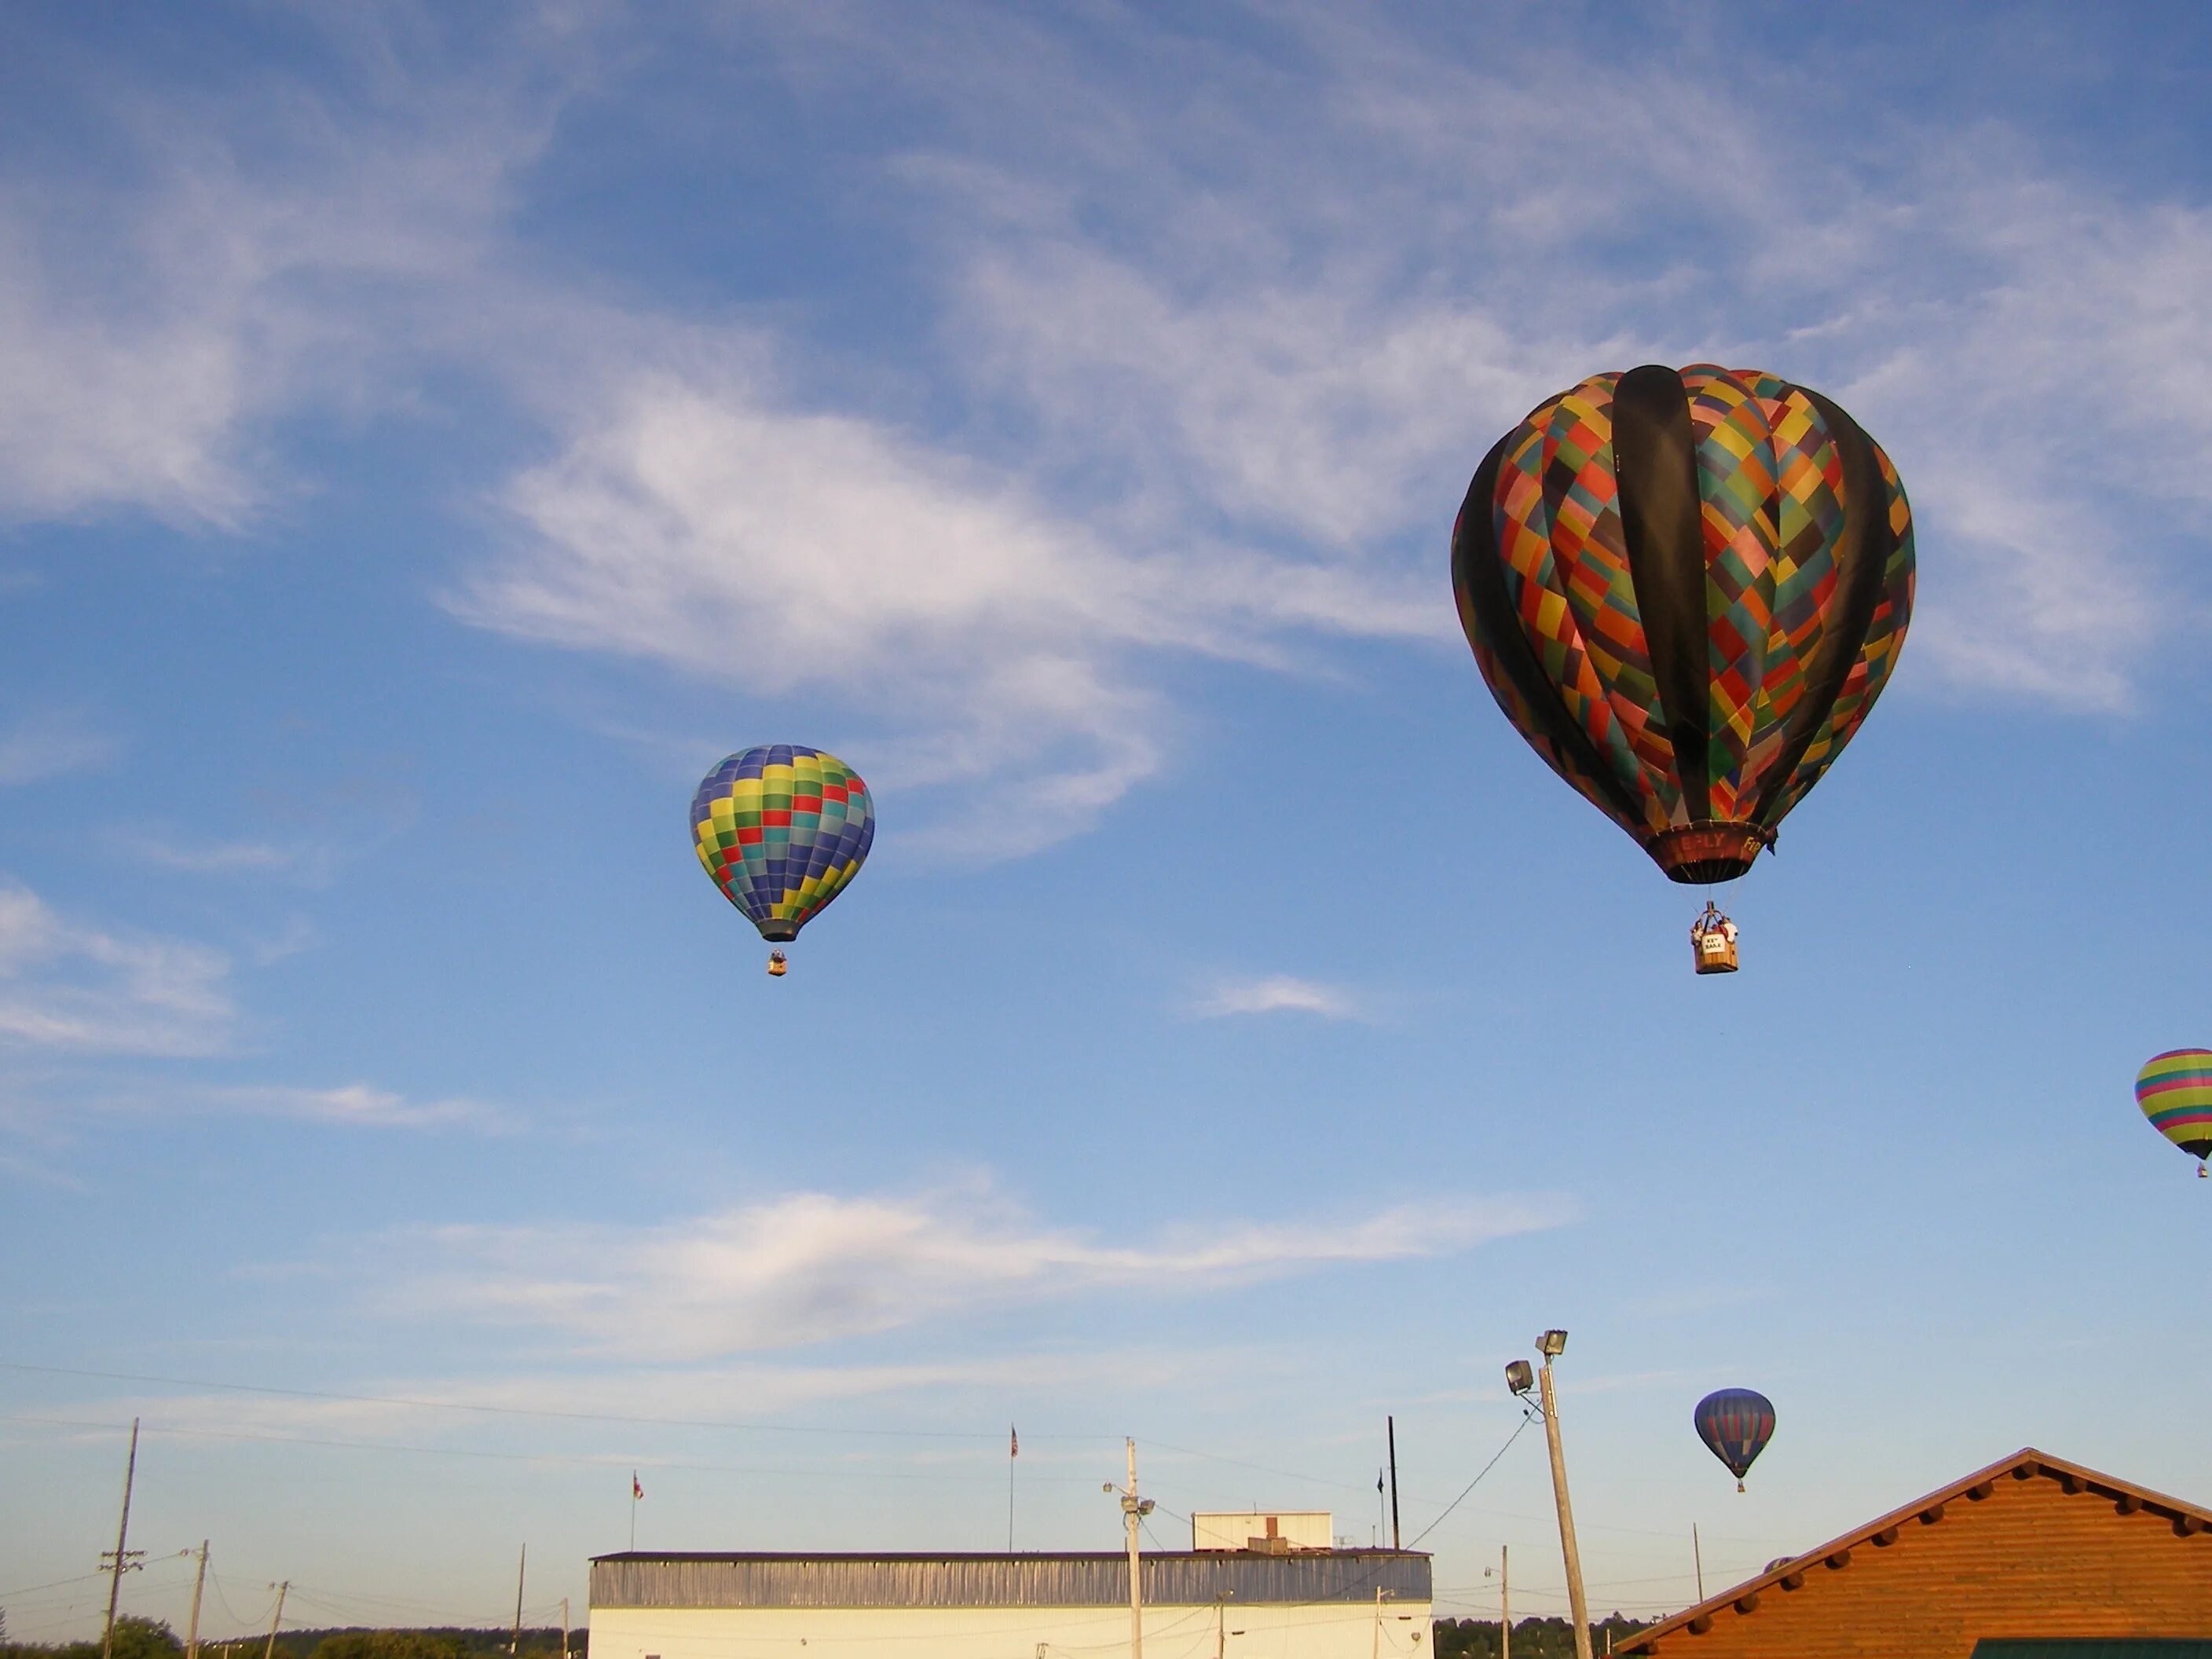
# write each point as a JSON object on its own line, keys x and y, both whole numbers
{"x": 2174, "y": 1090}
{"x": 1686, "y": 589}
{"x": 1735, "y": 1424}
{"x": 782, "y": 830}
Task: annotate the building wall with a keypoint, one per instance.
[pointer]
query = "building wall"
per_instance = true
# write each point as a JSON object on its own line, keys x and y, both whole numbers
{"x": 1309, "y": 1631}
{"x": 1300, "y": 1529}
{"x": 2029, "y": 1559}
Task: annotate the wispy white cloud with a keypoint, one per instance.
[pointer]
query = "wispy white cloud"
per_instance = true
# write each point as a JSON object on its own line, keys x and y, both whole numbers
{"x": 46, "y": 745}
{"x": 66, "y": 988}
{"x": 1259, "y": 333}
{"x": 216, "y": 858}
{"x": 302, "y": 862}
{"x": 1277, "y": 994}
{"x": 359, "y": 1105}
{"x": 813, "y": 1267}
{"x": 1208, "y": 376}
{"x": 702, "y": 522}
{"x": 251, "y": 255}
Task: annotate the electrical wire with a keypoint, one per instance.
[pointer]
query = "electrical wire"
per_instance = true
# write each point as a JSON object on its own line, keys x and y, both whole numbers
{"x": 1260, "y": 1469}
{"x": 236, "y": 1617}
{"x": 530, "y": 1410}
{"x": 1527, "y": 1418}
{"x": 608, "y": 1461}
{"x": 32, "y": 1590}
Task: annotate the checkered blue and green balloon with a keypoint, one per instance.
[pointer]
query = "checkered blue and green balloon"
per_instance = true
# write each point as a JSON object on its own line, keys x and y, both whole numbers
{"x": 782, "y": 830}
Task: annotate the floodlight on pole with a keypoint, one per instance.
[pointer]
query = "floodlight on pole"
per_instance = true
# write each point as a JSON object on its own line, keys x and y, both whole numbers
{"x": 1551, "y": 1345}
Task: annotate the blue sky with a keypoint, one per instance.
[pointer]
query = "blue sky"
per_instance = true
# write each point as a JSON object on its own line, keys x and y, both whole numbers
{"x": 426, "y": 447}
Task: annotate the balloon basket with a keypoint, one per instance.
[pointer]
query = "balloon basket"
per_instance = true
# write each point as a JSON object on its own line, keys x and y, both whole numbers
{"x": 777, "y": 967}
{"x": 1712, "y": 942}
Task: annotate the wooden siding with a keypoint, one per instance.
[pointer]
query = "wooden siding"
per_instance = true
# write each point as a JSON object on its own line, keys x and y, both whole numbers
{"x": 2029, "y": 1559}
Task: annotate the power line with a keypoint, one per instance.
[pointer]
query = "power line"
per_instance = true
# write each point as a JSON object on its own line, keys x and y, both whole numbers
{"x": 605, "y": 1461}
{"x": 1472, "y": 1484}
{"x": 32, "y": 1590}
{"x": 528, "y": 1411}
{"x": 731, "y": 1424}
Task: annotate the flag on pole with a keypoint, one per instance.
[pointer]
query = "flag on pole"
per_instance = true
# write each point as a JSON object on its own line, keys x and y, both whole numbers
{"x": 1014, "y": 1442}
{"x": 636, "y": 1492}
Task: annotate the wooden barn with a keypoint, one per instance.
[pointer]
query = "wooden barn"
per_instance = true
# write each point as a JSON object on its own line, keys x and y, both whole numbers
{"x": 2030, "y": 1557}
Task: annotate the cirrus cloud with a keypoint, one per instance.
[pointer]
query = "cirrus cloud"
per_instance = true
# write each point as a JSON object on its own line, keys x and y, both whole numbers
{"x": 812, "y": 1266}
{"x": 1277, "y": 993}
{"x": 69, "y": 988}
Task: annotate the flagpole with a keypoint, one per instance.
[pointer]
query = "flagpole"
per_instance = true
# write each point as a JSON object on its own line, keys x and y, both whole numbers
{"x": 633, "y": 1511}
{"x": 1013, "y": 1451}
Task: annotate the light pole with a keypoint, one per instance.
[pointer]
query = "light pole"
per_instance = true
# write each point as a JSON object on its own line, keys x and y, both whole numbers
{"x": 1133, "y": 1511}
{"x": 1518, "y": 1377}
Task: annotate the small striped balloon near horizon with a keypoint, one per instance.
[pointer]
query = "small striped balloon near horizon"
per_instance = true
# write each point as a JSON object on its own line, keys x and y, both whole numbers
{"x": 2174, "y": 1090}
{"x": 782, "y": 830}
{"x": 1735, "y": 1424}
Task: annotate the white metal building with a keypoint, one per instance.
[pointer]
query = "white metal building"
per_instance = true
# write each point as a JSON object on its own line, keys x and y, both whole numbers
{"x": 1209, "y": 1604}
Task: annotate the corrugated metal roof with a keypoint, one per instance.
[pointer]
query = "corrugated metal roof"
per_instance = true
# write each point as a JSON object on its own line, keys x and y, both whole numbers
{"x": 1182, "y": 1579}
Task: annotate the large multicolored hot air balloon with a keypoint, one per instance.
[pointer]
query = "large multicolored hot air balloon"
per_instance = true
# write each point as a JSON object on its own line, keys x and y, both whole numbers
{"x": 1686, "y": 588}
{"x": 782, "y": 830}
{"x": 1735, "y": 1424}
{"x": 2174, "y": 1090}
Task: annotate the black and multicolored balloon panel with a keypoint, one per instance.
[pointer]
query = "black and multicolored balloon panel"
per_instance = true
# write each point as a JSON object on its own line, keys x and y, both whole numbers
{"x": 1686, "y": 589}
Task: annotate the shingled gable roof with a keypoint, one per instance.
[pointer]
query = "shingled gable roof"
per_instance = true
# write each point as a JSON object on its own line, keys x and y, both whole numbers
{"x": 2027, "y": 1464}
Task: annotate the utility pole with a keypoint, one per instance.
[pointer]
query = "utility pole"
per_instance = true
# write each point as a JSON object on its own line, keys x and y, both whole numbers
{"x": 123, "y": 1563}
{"x": 1505, "y": 1602}
{"x": 276, "y": 1618}
{"x": 1550, "y": 1345}
{"x": 199, "y": 1583}
{"x": 514, "y": 1647}
{"x": 1698, "y": 1556}
{"x": 1133, "y": 1511}
{"x": 564, "y": 1627}
{"x": 1390, "y": 1426}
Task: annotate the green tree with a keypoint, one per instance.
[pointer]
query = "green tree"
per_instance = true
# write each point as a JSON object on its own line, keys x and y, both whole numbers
{"x": 135, "y": 1638}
